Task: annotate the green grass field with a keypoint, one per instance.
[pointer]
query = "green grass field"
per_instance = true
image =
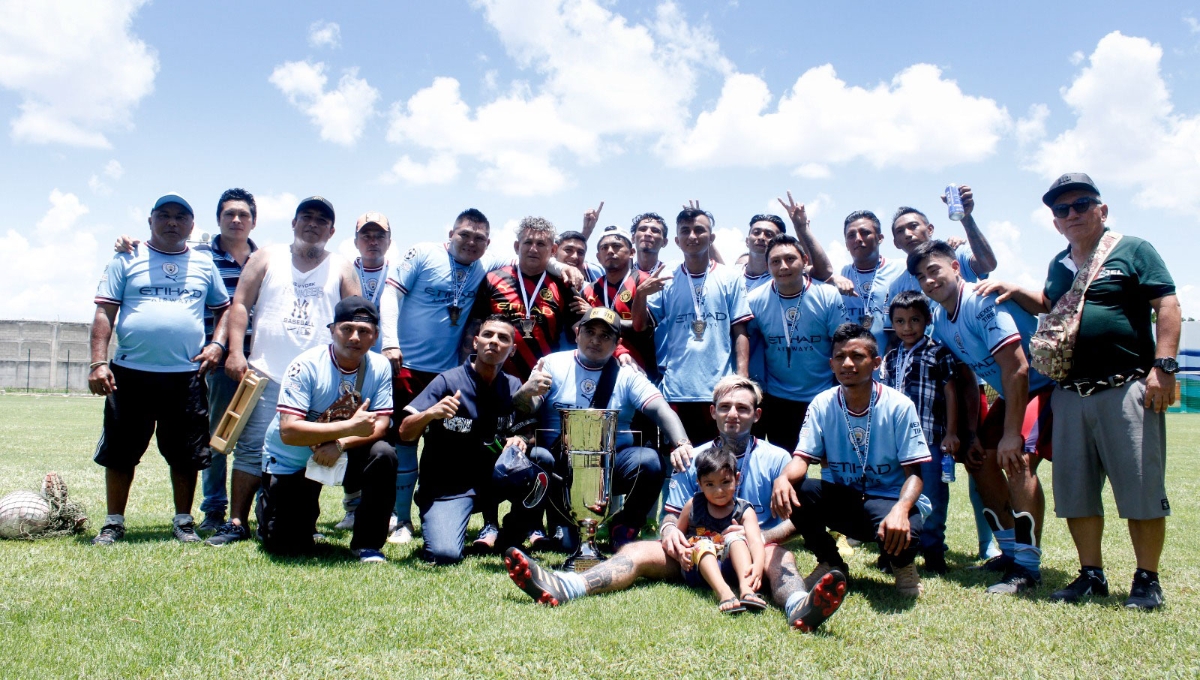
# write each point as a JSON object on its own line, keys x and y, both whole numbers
{"x": 151, "y": 607}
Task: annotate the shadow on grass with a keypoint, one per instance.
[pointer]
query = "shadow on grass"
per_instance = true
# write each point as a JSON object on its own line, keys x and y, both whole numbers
{"x": 139, "y": 535}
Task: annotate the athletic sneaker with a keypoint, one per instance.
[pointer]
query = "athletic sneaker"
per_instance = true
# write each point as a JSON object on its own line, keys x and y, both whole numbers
{"x": 821, "y": 569}
{"x": 1000, "y": 563}
{"x": 543, "y": 585}
{"x": 1089, "y": 583}
{"x": 109, "y": 534}
{"x": 212, "y": 522}
{"x": 186, "y": 532}
{"x": 1145, "y": 593}
{"x": 1016, "y": 580}
{"x": 369, "y": 555}
{"x": 402, "y": 534}
{"x": 228, "y": 533}
{"x": 935, "y": 563}
{"x": 538, "y": 540}
{"x": 486, "y": 540}
{"x": 908, "y": 581}
{"x": 347, "y": 522}
{"x": 820, "y": 603}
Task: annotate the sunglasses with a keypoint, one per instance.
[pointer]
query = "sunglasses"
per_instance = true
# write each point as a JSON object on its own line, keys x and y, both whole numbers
{"x": 1081, "y": 205}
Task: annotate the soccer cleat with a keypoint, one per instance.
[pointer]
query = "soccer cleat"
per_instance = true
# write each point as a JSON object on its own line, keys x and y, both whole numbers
{"x": 228, "y": 533}
{"x": 109, "y": 534}
{"x": 212, "y": 522}
{"x": 1016, "y": 580}
{"x": 543, "y": 585}
{"x": 486, "y": 540}
{"x": 821, "y": 569}
{"x": 402, "y": 534}
{"x": 185, "y": 532}
{"x": 1088, "y": 584}
{"x": 369, "y": 555}
{"x": 1145, "y": 593}
{"x": 820, "y": 604}
{"x": 538, "y": 540}
{"x": 908, "y": 581}
{"x": 346, "y": 523}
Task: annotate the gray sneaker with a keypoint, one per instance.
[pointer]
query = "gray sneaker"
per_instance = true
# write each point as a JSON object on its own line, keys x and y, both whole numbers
{"x": 212, "y": 522}
{"x": 109, "y": 534}
{"x": 1016, "y": 580}
{"x": 186, "y": 532}
{"x": 228, "y": 533}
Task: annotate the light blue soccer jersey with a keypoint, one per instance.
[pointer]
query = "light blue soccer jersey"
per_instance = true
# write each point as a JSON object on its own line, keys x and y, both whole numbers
{"x": 691, "y": 367}
{"x": 873, "y": 288}
{"x": 895, "y": 440}
{"x": 759, "y": 467}
{"x": 432, "y": 281}
{"x": 372, "y": 282}
{"x": 574, "y": 384}
{"x": 907, "y": 281}
{"x": 809, "y": 320}
{"x": 978, "y": 327}
{"x": 162, "y": 296}
{"x": 313, "y": 382}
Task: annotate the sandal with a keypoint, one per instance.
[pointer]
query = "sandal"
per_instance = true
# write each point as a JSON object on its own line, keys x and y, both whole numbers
{"x": 752, "y": 602}
{"x": 736, "y": 609}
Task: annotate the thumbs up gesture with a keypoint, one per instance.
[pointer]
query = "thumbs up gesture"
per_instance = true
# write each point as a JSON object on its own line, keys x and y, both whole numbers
{"x": 362, "y": 423}
{"x": 447, "y": 407}
{"x": 539, "y": 380}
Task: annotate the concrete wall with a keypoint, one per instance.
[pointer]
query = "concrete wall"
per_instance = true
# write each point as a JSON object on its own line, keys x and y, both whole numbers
{"x": 35, "y": 354}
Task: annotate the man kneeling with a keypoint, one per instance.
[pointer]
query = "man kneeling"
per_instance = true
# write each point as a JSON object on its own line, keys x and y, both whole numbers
{"x": 736, "y": 409}
{"x": 868, "y": 439}
{"x": 321, "y": 414}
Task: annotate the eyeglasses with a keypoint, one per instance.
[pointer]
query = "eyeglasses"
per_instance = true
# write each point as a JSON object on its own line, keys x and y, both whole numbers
{"x": 1081, "y": 205}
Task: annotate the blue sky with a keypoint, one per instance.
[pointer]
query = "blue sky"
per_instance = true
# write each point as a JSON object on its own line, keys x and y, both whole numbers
{"x": 539, "y": 107}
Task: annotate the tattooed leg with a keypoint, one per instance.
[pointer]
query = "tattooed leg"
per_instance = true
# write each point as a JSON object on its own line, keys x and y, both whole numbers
{"x": 782, "y": 576}
{"x": 640, "y": 558}
{"x": 780, "y": 532}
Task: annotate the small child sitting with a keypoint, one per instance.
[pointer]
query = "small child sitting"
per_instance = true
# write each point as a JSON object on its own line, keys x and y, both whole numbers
{"x": 718, "y": 557}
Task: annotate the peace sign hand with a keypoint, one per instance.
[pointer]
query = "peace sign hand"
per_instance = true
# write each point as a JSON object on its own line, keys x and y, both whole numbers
{"x": 795, "y": 211}
{"x": 654, "y": 283}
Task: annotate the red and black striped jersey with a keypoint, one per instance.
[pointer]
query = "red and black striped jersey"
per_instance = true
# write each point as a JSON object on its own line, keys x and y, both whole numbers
{"x": 551, "y": 314}
{"x": 620, "y": 299}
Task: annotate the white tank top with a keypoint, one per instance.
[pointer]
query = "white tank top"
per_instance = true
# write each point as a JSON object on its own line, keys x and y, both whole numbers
{"x": 293, "y": 311}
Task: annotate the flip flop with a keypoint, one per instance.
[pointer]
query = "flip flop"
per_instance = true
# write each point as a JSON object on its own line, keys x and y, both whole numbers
{"x": 732, "y": 610}
{"x": 752, "y": 602}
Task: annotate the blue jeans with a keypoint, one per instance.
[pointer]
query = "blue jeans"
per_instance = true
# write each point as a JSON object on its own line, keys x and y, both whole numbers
{"x": 444, "y": 528}
{"x": 933, "y": 536}
{"x": 247, "y": 457}
{"x": 212, "y": 480}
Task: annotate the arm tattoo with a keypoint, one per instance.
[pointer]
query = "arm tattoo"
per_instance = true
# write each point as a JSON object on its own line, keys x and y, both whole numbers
{"x": 600, "y": 578}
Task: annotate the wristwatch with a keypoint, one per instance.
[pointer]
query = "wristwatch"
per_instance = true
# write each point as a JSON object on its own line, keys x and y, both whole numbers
{"x": 1167, "y": 364}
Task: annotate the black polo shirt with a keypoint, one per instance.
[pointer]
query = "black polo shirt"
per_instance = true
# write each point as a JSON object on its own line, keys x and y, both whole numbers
{"x": 455, "y": 460}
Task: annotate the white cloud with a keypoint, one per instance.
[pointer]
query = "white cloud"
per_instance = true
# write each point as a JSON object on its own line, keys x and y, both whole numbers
{"x": 918, "y": 118}
{"x": 441, "y": 169}
{"x": 730, "y": 242}
{"x": 1077, "y": 57}
{"x": 341, "y": 113}
{"x": 57, "y": 260}
{"x": 1012, "y": 265}
{"x": 1192, "y": 24}
{"x": 838, "y": 256}
{"x": 503, "y": 239}
{"x": 325, "y": 34}
{"x": 76, "y": 67}
{"x": 1127, "y": 133}
{"x": 1032, "y": 128}
{"x": 112, "y": 170}
{"x": 812, "y": 171}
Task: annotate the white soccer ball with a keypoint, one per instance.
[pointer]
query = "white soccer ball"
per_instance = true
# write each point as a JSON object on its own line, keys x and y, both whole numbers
{"x": 23, "y": 514}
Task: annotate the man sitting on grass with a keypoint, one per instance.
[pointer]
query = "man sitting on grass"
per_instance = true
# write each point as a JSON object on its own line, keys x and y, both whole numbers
{"x": 334, "y": 399}
{"x": 736, "y": 408}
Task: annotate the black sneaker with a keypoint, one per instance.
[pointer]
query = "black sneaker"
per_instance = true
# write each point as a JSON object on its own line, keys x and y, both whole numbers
{"x": 1089, "y": 583}
{"x": 109, "y": 534}
{"x": 999, "y": 563}
{"x": 935, "y": 563}
{"x": 820, "y": 604}
{"x": 228, "y": 533}
{"x": 1016, "y": 580}
{"x": 212, "y": 522}
{"x": 1145, "y": 593}
{"x": 186, "y": 532}
{"x": 543, "y": 585}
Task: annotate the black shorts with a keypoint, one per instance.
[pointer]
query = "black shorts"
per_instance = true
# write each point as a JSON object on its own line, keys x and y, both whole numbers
{"x": 174, "y": 406}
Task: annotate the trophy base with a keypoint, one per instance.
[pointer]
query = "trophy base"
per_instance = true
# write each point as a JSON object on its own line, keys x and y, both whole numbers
{"x": 587, "y": 555}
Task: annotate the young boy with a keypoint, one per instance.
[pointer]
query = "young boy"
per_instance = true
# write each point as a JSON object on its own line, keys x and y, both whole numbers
{"x": 704, "y": 519}
{"x": 924, "y": 370}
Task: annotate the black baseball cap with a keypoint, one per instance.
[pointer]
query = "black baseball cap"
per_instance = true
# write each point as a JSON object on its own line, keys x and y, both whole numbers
{"x": 355, "y": 308}
{"x": 605, "y": 316}
{"x": 320, "y": 203}
{"x": 1069, "y": 182}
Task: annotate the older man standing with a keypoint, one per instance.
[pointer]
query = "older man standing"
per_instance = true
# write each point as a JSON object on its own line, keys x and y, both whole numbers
{"x": 1109, "y": 413}
{"x": 156, "y": 380}
{"x": 292, "y": 291}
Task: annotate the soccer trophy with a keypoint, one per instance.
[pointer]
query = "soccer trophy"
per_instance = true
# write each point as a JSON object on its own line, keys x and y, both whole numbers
{"x": 589, "y": 442}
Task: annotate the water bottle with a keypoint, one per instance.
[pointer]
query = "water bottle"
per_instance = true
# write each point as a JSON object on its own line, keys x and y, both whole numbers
{"x": 947, "y": 468}
{"x": 954, "y": 203}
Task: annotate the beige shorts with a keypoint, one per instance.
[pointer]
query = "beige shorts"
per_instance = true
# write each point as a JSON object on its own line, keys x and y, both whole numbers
{"x": 1109, "y": 435}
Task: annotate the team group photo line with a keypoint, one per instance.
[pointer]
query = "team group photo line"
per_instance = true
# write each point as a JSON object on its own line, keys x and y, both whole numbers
{"x": 646, "y": 419}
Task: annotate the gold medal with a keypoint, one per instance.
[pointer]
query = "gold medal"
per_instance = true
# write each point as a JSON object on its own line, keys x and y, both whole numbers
{"x": 867, "y": 321}
{"x": 698, "y": 327}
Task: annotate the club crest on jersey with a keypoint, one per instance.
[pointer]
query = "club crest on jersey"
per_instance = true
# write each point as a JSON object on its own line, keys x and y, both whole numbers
{"x": 866, "y": 286}
{"x": 791, "y": 313}
{"x": 460, "y": 274}
{"x": 588, "y": 386}
{"x": 958, "y": 341}
{"x": 547, "y": 295}
{"x": 372, "y": 284}
{"x": 625, "y": 296}
{"x": 858, "y": 435}
{"x": 412, "y": 252}
{"x": 171, "y": 270}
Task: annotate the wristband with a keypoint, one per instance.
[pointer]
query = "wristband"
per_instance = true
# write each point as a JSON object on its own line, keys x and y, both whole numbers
{"x": 97, "y": 363}
{"x": 224, "y": 349}
{"x": 662, "y": 530}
